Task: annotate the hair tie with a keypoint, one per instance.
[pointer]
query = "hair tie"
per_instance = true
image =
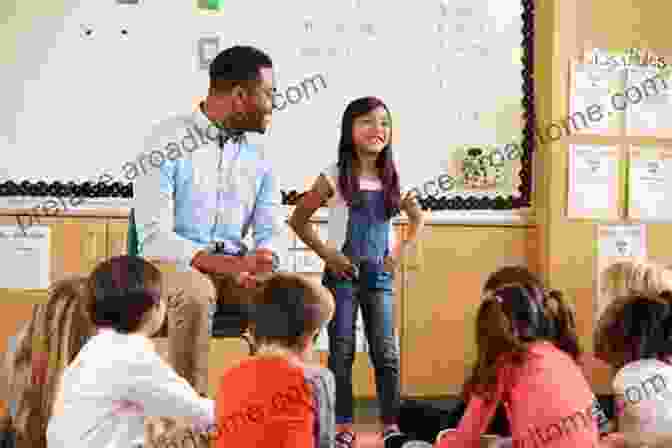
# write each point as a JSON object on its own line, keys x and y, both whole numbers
{"x": 490, "y": 296}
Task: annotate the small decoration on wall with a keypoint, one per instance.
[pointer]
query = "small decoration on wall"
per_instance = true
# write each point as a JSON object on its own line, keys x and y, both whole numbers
{"x": 309, "y": 51}
{"x": 86, "y": 31}
{"x": 308, "y": 25}
{"x": 480, "y": 168}
{"x": 208, "y": 48}
{"x": 444, "y": 8}
{"x": 210, "y": 5}
{"x": 367, "y": 28}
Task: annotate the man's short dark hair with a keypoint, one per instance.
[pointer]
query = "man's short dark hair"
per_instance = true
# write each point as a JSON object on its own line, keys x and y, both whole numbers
{"x": 237, "y": 65}
{"x": 123, "y": 289}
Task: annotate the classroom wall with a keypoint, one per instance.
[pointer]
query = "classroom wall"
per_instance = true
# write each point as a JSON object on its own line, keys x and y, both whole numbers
{"x": 564, "y": 28}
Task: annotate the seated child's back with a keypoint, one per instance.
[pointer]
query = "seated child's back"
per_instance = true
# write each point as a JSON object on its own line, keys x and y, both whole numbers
{"x": 271, "y": 401}
{"x": 276, "y": 399}
{"x": 636, "y": 340}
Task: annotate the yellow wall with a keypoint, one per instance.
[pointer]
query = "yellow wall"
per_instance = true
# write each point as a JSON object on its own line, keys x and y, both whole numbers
{"x": 564, "y": 28}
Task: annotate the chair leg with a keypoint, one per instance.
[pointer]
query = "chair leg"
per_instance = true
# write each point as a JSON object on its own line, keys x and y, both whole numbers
{"x": 245, "y": 335}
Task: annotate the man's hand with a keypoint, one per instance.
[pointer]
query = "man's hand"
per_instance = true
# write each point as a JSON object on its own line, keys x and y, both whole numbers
{"x": 261, "y": 261}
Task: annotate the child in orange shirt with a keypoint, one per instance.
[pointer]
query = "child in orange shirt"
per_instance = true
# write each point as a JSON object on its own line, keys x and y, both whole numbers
{"x": 277, "y": 399}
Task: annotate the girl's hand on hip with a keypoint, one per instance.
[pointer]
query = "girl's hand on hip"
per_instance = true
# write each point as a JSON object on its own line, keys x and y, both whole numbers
{"x": 391, "y": 263}
{"x": 408, "y": 200}
{"x": 339, "y": 264}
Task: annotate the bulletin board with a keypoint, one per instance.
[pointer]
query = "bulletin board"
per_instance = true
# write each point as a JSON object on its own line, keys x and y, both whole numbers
{"x": 93, "y": 77}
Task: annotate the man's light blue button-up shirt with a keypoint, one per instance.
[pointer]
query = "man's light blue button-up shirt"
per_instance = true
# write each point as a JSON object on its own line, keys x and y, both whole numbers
{"x": 193, "y": 191}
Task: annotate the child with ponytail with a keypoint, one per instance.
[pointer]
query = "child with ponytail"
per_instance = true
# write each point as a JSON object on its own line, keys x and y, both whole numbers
{"x": 519, "y": 331}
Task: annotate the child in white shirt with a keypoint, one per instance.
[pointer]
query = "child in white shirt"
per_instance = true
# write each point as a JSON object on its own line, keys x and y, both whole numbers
{"x": 640, "y": 336}
{"x": 118, "y": 378}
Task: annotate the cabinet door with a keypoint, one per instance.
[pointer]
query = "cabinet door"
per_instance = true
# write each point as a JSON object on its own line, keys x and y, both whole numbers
{"x": 443, "y": 293}
{"x": 85, "y": 244}
{"x": 117, "y": 233}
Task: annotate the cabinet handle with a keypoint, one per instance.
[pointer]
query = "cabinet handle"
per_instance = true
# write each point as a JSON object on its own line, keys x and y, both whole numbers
{"x": 415, "y": 255}
{"x": 119, "y": 241}
{"x": 92, "y": 253}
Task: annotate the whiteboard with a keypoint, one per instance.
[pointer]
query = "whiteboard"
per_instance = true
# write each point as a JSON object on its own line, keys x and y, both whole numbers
{"x": 76, "y": 106}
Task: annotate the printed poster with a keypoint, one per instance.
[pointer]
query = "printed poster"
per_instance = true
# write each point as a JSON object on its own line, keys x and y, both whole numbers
{"x": 594, "y": 181}
{"x": 650, "y": 183}
{"x": 591, "y": 107}
{"x": 29, "y": 253}
{"x": 616, "y": 243}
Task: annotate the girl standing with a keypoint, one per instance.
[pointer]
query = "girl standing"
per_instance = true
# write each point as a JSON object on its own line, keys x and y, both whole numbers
{"x": 363, "y": 193}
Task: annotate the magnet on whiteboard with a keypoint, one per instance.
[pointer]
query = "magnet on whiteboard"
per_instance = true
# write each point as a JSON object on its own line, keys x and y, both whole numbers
{"x": 308, "y": 25}
{"x": 210, "y": 5}
{"x": 208, "y": 47}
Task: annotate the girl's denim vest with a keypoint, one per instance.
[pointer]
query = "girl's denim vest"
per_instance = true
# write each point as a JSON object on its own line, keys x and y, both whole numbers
{"x": 367, "y": 241}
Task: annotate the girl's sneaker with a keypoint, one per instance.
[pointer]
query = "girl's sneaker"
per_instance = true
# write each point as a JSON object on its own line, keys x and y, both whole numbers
{"x": 394, "y": 439}
{"x": 346, "y": 439}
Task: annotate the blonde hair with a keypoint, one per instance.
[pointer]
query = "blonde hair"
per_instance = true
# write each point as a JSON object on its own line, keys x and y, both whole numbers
{"x": 640, "y": 277}
{"x": 58, "y": 330}
{"x": 620, "y": 283}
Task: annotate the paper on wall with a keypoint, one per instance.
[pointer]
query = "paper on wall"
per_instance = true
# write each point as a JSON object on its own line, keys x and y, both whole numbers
{"x": 649, "y": 102}
{"x": 650, "y": 183}
{"x": 591, "y": 109}
{"x": 616, "y": 243}
{"x": 27, "y": 254}
{"x": 594, "y": 176}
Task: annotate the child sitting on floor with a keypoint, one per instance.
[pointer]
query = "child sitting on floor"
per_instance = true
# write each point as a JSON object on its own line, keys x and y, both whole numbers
{"x": 637, "y": 341}
{"x": 118, "y": 378}
{"x": 543, "y": 389}
{"x": 424, "y": 421}
{"x": 620, "y": 282}
{"x": 277, "y": 399}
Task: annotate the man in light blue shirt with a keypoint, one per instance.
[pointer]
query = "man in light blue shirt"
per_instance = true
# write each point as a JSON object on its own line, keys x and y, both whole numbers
{"x": 200, "y": 188}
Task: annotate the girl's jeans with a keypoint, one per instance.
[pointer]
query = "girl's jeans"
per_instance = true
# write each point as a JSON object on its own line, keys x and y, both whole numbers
{"x": 378, "y": 316}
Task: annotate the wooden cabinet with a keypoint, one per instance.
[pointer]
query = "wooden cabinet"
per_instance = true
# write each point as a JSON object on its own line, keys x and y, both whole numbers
{"x": 117, "y": 233}
{"x": 442, "y": 295}
{"x": 437, "y": 295}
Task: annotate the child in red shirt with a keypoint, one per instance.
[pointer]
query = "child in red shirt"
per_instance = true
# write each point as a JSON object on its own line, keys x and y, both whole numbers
{"x": 548, "y": 401}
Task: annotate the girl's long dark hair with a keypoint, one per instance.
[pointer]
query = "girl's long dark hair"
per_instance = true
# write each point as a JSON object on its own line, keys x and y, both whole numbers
{"x": 348, "y": 182}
